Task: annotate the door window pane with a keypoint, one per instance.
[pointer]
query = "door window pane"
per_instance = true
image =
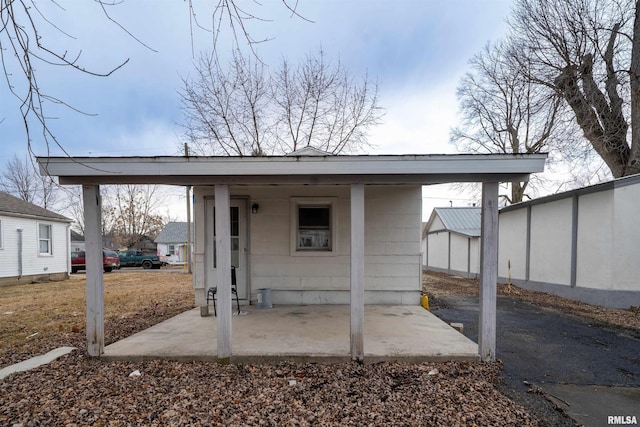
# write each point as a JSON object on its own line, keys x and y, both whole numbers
{"x": 234, "y": 225}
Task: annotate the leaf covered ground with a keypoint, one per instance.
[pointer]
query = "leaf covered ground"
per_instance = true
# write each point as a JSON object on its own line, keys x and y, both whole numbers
{"x": 76, "y": 390}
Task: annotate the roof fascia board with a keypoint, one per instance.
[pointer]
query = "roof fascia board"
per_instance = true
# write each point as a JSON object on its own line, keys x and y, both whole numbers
{"x": 35, "y": 217}
{"x": 415, "y": 179}
{"x": 275, "y": 166}
{"x": 447, "y": 230}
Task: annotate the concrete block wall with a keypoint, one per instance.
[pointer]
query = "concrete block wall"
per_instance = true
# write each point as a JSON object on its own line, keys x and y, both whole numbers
{"x": 582, "y": 244}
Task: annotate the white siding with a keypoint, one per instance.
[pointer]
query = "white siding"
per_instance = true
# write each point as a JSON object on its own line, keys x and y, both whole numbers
{"x": 551, "y": 242}
{"x": 595, "y": 240}
{"x": 459, "y": 253}
{"x": 162, "y": 249}
{"x": 32, "y": 262}
{"x": 626, "y": 238}
{"x": 392, "y": 242}
{"x": 512, "y": 246}
{"x": 475, "y": 255}
{"x": 438, "y": 250}
{"x": 606, "y": 246}
{"x": 179, "y": 255}
{"x": 449, "y": 251}
{"x": 423, "y": 250}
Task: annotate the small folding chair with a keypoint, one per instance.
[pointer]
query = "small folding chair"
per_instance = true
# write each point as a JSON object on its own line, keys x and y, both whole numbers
{"x": 211, "y": 293}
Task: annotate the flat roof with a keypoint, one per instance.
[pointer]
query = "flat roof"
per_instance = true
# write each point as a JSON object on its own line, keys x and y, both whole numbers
{"x": 236, "y": 170}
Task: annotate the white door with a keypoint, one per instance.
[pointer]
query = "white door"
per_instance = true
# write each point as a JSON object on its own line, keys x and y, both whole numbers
{"x": 238, "y": 227}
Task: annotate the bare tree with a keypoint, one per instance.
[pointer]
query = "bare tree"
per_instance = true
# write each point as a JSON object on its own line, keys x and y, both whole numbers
{"x": 25, "y": 52}
{"x": 226, "y": 111}
{"x": 589, "y": 52}
{"x": 130, "y": 213}
{"x": 21, "y": 179}
{"x": 245, "y": 111}
{"x": 503, "y": 111}
{"x": 322, "y": 106}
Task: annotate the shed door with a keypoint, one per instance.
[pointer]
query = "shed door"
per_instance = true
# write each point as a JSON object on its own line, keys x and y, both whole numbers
{"x": 238, "y": 228}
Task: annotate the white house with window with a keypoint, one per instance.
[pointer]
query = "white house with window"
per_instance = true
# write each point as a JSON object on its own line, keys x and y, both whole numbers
{"x": 294, "y": 240}
{"x": 172, "y": 243}
{"x": 34, "y": 242}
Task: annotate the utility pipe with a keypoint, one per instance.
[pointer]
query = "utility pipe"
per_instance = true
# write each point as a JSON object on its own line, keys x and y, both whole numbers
{"x": 19, "y": 253}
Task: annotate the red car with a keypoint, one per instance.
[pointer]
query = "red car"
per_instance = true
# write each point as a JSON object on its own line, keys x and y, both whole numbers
{"x": 110, "y": 260}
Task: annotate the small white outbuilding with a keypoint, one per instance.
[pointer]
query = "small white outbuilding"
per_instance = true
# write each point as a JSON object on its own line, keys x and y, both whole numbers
{"x": 451, "y": 241}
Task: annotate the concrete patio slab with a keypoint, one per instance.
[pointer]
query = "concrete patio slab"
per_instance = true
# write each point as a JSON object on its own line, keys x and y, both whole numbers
{"x": 317, "y": 333}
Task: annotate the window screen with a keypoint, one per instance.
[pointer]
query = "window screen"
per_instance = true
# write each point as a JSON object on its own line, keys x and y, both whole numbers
{"x": 314, "y": 228}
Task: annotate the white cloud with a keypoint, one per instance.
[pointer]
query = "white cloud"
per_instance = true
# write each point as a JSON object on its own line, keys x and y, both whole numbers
{"x": 417, "y": 121}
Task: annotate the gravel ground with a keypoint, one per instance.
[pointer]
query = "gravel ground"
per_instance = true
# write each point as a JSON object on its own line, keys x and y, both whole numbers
{"x": 442, "y": 285}
{"x": 76, "y": 390}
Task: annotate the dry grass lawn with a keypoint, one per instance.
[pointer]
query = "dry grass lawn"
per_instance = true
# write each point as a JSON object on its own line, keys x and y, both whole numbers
{"x": 56, "y": 310}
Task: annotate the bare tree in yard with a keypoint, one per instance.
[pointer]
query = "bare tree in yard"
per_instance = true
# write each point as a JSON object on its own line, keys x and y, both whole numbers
{"x": 323, "y": 106}
{"x": 589, "y": 52}
{"x": 26, "y": 51}
{"x": 503, "y": 111}
{"x": 21, "y": 179}
{"x": 226, "y": 111}
{"x": 130, "y": 214}
{"x": 244, "y": 110}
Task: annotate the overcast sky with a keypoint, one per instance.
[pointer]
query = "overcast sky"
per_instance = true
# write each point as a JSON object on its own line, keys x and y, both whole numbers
{"x": 417, "y": 50}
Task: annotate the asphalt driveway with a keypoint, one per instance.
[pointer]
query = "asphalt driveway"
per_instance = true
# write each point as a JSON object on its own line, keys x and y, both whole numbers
{"x": 565, "y": 355}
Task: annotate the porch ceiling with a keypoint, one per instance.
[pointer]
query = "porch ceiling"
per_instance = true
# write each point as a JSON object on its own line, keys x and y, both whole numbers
{"x": 369, "y": 169}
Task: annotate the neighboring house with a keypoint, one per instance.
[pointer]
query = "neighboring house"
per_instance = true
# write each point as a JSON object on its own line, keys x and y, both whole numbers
{"x": 582, "y": 244}
{"x": 77, "y": 242}
{"x": 144, "y": 243}
{"x": 172, "y": 243}
{"x": 312, "y": 228}
{"x": 34, "y": 242}
{"x": 451, "y": 241}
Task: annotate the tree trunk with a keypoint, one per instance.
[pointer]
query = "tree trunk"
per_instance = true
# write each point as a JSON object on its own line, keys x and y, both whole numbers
{"x": 633, "y": 165}
{"x": 517, "y": 191}
{"x": 611, "y": 146}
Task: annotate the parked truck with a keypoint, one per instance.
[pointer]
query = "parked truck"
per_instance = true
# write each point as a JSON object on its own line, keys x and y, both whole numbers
{"x": 136, "y": 258}
{"x": 110, "y": 261}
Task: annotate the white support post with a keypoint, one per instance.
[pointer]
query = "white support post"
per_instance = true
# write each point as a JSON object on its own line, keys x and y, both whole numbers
{"x": 223, "y": 271}
{"x": 357, "y": 272}
{"x": 95, "y": 280}
{"x": 488, "y": 272}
